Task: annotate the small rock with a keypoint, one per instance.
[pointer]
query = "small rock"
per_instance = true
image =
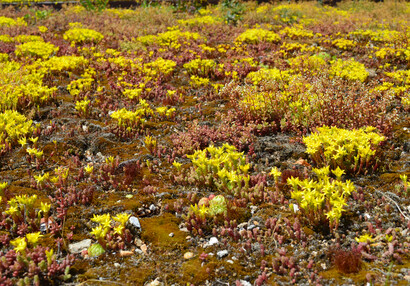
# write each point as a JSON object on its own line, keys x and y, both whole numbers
{"x": 188, "y": 255}
{"x": 229, "y": 261}
{"x": 171, "y": 234}
{"x": 156, "y": 282}
{"x": 144, "y": 248}
{"x": 125, "y": 253}
{"x": 222, "y": 253}
{"x": 134, "y": 221}
{"x": 184, "y": 229}
{"x": 152, "y": 207}
{"x": 245, "y": 283}
{"x": 138, "y": 242}
{"x": 213, "y": 240}
{"x": 242, "y": 225}
{"x": 138, "y": 251}
{"x": 79, "y": 246}
{"x": 116, "y": 264}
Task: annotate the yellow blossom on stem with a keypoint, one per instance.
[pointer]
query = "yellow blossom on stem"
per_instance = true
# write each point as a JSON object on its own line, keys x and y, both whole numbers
{"x": 19, "y": 243}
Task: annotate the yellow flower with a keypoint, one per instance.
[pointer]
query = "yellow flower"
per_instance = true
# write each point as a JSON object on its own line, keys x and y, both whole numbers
{"x": 45, "y": 207}
{"x": 338, "y": 172}
{"x": 122, "y": 218}
{"x": 89, "y": 168}
{"x": 99, "y": 232}
{"x": 20, "y": 244}
{"x": 104, "y": 220}
{"x": 364, "y": 238}
{"x": 33, "y": 238}
{"x": 119, "y": 229}
{"x": 275, "y": 173}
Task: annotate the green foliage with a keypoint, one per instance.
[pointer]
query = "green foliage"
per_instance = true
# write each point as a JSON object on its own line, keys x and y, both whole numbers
{"x": 94, "y": 5}
{"x": 95, "y": 250}
{"x": 233, "y": 11}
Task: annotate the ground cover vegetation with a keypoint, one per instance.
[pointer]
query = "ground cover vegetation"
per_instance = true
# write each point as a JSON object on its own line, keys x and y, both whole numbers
{"x": 229, "y": 144}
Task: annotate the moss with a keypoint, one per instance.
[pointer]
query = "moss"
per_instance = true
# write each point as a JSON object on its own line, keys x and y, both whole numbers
{"x": 156, "y": 230}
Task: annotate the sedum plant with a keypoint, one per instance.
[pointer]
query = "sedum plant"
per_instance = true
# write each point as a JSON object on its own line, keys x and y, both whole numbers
{"x": 258, "y": 35}
{"x": 111, "y": 232}
{"x": 222, "y": 167}
{"x": 350, "y": 70}
{"x": 82, "y": 35}
{"x": 36, "y": 49}
{"x": 351, "y": 150}
{"x": 13, "y": 127}
{"x": 321, "y": 201}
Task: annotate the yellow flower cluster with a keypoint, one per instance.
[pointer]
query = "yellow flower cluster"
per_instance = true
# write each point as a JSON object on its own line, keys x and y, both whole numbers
{"x": 20, "y": 243}
{"x": 263, "y": 74}
{"x": 344, "y": 44}
{"x": 200, "y": 67}
{"x": 160, "y": 66}
{"x": 13, "y": 126}
{"x": 17, "y": 81}
{"x": 321, "y": 200}
{"x": 170, "y": 38}
{"x": 198, "y": 21}
{"x": 376, "y": 35}
{"x": 82, "y": 84}
{"x": 350, "y": 70}
{"x": 307, "y": 63}
{"x": 63, "y": 63}
{"x": 36, "y": 49}
{"x": 226, "y": 167}
{"x": 9, "y": 22}
{"x": 107, "y": 225}
{"x": 258, "y": 35}
{"x": 121, "y": 13}
{"x": 82, "y": 35}
{"x": 296, "y": 32}
{"x": 197, "y": 81}
{"x": 4, "y": 57}
{"x": 20, "y": 38}
{"x": 350, "y": 150}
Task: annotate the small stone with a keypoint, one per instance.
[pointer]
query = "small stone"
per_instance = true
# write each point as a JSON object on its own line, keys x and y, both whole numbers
{"x": 144, "y": 248}
{"x": 242, "y": 225}
{"x": 156, "y": 282}
{"x": 116, "y": 264}
{"x": 138, "y": 251}
{"x": 138, "y": 242}
{"x": 125, "y": 253}
{"x": 188, "y": 255}
{"x": 188, "y": 237}
{"x": 171, "y": 234}
{"x": 78, "y": 247}
{"x": 213, "y": 240}
{"x": 134, "y": 221}
{"x": 245, "y": 283}
{"x": 152, "y": 207}
{"x": 222, "y": 253}
{"x": 230, "y": 261}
